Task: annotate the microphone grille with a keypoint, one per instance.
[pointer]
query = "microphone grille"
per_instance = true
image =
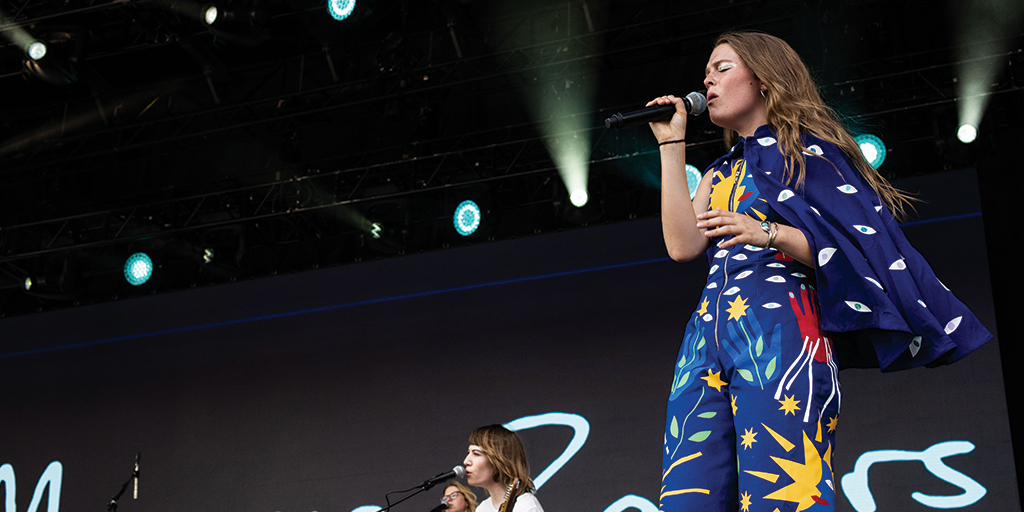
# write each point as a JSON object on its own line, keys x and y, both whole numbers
{"x": 698, "y": 103}
{"x": 459, "y": 471}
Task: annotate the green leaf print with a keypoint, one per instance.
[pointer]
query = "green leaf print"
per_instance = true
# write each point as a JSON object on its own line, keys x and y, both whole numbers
{"x": 760, "y": 345}
{"x": 709, "y": 414}
{"x": 683, "y": 381}
{"x": 674, "y": 428}
{"x": 770, "y": 369}
{"x": 682, "y": 362}
{"x": 701, "y": 344}
{"x": 747, "y": 376}
{"x": 700, "y": 436}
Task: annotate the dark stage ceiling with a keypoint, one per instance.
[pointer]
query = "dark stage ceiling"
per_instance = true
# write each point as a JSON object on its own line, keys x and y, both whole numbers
{"x": 277, "y": 147}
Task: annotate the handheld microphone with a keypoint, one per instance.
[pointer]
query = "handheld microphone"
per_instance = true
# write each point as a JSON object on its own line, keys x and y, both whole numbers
{"x": 439, "y": 508}
{"x": 456, "y": 472}
{"x": 694, "y": 102}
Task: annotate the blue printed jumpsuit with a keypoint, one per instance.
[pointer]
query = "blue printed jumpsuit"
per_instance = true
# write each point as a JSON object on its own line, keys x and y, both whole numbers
{"x": 754, "y": 402}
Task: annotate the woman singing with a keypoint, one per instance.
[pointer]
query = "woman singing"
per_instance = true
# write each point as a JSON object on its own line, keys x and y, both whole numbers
{"x": 496, "y": 458}
{"x": 804, "y": 251}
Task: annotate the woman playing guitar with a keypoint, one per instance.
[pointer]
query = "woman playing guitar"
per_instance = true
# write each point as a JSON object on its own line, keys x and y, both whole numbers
{"x": 497, "y": 462}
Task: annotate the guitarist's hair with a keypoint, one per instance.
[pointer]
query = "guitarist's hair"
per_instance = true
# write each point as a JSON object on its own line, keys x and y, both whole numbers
{"x": 505, "y": 453}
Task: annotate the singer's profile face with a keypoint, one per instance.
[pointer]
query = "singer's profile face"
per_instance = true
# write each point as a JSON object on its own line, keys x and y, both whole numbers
{"x": 734, "y": 93}
{"x": 456, "y": 501}
{"x": 479, "y": 472}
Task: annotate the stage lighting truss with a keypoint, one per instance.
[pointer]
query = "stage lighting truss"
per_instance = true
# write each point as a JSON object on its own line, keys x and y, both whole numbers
{"x": 340, "y": 9}
{"x": 872, "y": 148}
{"x": 467, "y": 218}
{"x": 138, "y": 269}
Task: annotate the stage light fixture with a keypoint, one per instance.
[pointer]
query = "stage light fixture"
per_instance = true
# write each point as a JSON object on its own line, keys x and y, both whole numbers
{"x": 967, "y": 133}
{"x": 36, "y": 50}
{"x": 340, "y": 9}
{"x": 579, "y": 197}
{"x": 53, "y": 57}
{"x": 467, "y": 218}
{"x": 872, "y": 148}
{"x": 241, "y": 22}
{"x": 138, "y": 269}
{"x": 210, "y": 14}
{"x": 692, "y": 180}
{"x": 376, "y": 230}
{"x": 208, "y": 255}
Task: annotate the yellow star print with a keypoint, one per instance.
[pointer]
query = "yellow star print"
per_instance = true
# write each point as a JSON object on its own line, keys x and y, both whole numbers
{"x": 703, "y": 307}
{"x": 745, "y": 501}
{"x": 748, "y": 438}
{"x": 734, "y": 408}
{"x": 832, "y": 424}
{"x": 789, "y": 405}
{"x": 737, "y": 308}
{"x": 714, "y": 380}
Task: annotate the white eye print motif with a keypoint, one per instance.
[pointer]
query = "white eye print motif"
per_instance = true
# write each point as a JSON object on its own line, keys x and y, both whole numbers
{"x": 772, "y": 305}
{"x": 824, "y": 255}
{"x": 867, "y": 230}
{"x": 785, "y": 194}
{"x": 776, "y": 279}
{"x": 857, "y": 306}
{"x": 847, "y": 189}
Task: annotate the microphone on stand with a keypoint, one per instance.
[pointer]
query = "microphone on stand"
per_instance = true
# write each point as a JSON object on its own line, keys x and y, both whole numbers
{"x": 694, "y": 102}
{"x": 456, "y": 472}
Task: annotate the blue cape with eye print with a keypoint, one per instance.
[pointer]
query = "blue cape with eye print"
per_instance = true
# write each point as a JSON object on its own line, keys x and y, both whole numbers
{"x": 879, "y": 298}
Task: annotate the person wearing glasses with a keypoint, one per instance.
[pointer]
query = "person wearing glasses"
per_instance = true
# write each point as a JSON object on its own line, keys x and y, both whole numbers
{"x": 459, "y": 498}
{"x": 495, "y": 460}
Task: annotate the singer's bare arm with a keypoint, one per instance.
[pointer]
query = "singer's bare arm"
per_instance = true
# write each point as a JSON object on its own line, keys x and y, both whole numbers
{"x": 683, "y": 239}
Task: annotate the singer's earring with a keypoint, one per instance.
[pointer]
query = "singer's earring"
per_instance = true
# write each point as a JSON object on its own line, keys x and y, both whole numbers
{"x": 763, "y": 96}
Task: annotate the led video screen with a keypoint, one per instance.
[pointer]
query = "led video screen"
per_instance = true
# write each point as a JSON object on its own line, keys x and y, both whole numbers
{"x": 323, "y": 390}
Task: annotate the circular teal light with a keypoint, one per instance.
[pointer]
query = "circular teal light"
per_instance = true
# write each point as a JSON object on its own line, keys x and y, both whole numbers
{"x": 467, "y": 218}
{"x": 872, "y": 148}
{"x": 692, "y": 180}
{"x": 138, "y": 269}
{"x": 340, "y": 9}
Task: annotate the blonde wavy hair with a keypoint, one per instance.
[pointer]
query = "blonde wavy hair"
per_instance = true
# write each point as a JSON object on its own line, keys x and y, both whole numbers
{"x": 504, "y": 451}
{"x": 794, "y": 106}
{"x": 466, "y": 493}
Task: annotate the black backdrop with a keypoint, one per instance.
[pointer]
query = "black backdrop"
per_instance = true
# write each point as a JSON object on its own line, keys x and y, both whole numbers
{"x": 323, "y": 390}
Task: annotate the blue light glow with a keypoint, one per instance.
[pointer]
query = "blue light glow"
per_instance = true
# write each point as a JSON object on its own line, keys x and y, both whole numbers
{"x": 138, "y": 269}
{"x": 692, "y": 179}
{"x": 340, "y": 9}
{"x": 467, "y": 218}
{"x": 872, "y": 148}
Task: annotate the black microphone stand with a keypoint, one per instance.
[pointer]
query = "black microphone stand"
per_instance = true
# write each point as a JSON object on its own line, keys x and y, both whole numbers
{"x": 112, "y": 506}
{"x": 415, "y": 490}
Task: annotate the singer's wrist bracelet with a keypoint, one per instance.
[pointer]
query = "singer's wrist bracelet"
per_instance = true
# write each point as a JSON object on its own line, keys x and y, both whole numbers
{"x": 671, "y": 142}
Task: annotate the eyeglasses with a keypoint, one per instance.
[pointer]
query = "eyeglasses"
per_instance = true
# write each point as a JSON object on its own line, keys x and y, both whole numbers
{"x": 452, "y": 496}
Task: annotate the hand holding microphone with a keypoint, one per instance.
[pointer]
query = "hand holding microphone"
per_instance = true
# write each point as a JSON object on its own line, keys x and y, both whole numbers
{"x": 695, "y": 104}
